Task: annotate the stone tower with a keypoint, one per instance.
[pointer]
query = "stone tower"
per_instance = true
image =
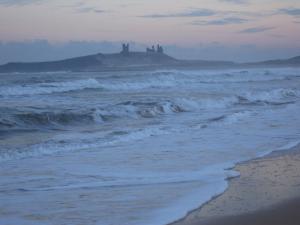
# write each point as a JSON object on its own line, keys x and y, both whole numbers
{"x": 125, "y": 49}
{"x": 160, "y": 49}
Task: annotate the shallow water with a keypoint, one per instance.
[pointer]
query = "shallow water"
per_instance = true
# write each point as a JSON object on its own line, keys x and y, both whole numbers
{"x": 134, "y": 147}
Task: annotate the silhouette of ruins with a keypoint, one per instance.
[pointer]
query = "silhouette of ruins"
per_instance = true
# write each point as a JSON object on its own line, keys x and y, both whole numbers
{"x": 125, "y": 49}
{"x": 159, "y": 49}
{"x": 150, "y": 50}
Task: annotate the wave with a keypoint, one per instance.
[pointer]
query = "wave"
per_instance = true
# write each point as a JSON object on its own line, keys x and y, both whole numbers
{"x": 79, "y": 142}
{"x": 242, "y": 76}
{"x": 136, "y": 84}
{"x": 270, "y": 96}
{"x": 109, "y": 113}
{"x": 48, "y": 88}
{"x": 232, "y": 118}
{"x": 141, "y": 109}
{"x": 52, "y": 119}
{"x": 42, "y": 119}
{"x": 150, "y": 178}
{"x": 289, "y": 146}
{"x": 192, "y": 104}
{"x": 77, "y": 85}
{"x": 146, "y": 80}
{"x": 230, "y": 76}
{"x": 174, "y": 78}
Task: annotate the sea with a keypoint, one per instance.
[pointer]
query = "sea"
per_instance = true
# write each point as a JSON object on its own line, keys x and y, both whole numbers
{"x": 135, "y": 147}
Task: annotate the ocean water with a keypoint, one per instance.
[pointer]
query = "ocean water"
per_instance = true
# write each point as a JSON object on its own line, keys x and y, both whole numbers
{"x": 135, "y": 148}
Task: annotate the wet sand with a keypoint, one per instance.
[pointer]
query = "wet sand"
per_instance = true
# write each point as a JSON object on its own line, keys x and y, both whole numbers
{"x": 266, "y": 193}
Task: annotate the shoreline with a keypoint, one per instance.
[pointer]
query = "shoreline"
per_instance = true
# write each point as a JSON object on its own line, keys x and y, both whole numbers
{"x": 266, "y": 193}
{"x": 159, "y": 67}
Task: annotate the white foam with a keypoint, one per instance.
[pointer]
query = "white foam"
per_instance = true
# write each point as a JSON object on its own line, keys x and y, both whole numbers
{"x": 289, "y": 145}
{"x": 285, "y": 147}
{"x": 190, "y": 104}
{"x": 206, "y": 175}
{"x": 48, "y": 88}
{"x": 237, "y": 117}
{"x": 145, "y": 83}
{"x": 79, "y": 142}
{"x": 272, "y": 95}
{"x": 229, "y": 76}
{"x": 163, "y": 79}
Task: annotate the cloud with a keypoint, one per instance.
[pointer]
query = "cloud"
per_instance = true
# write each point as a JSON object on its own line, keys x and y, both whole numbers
{"x": 256, "y": 29}
{"x": 236, "y": 1}
{"x": 277, "y": 35}
{"x": 19, "y": 2}
{"x": 190, "y": 13}
{"x": 209, "y": 12}
{"x": 90, "y": 10}
{"x": 290, "y": 11}
{"x": 84, "y": 7}
{"x": 224, "y": 21}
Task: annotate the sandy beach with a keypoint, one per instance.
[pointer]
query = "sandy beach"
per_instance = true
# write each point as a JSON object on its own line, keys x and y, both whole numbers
{"x": 267, "y": 192}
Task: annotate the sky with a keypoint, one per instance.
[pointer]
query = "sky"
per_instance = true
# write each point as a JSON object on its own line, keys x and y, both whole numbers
{"x": 239, "y": 30}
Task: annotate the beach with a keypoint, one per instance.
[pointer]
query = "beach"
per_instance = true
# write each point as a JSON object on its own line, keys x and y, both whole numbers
{"x": 267, "y": 192}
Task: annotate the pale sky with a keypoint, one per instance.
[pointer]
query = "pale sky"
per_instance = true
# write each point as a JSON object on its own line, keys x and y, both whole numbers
{"x": 185, "y": 25}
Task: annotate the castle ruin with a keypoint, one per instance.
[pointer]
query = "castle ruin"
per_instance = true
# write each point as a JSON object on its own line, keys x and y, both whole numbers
{"x": 125, "y": 49}
{"x": 159, "y": 49}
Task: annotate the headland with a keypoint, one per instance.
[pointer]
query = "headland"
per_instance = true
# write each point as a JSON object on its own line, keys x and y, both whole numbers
{"x": 153, "y": 58}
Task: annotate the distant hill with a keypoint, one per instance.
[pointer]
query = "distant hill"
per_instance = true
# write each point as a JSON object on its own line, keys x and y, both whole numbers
{"x": 96, "y": 62}
{"x": 295, "y": 61}
{"x": 132, "y": 61}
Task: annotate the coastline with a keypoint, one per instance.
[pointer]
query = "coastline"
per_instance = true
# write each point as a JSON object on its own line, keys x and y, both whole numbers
{"x": 156, "y": 67}
{"x": 267, "y": 192}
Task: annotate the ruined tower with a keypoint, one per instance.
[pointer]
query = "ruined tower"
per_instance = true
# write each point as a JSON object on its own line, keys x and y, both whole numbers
{"x": 125, "y": 49}
{"x": 151, "y": 50}
{"x": 160, "y": 49}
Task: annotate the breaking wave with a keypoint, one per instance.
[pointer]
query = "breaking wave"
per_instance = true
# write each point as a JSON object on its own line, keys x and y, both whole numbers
{"x": 173, "y": 78}
{"x": 146, "y": 80}
{"x": 48, "y": 88}
{"x": 232, "y": 118}
{"x": 230, "y": 76}
{"x": 131, "y": 110}
{"x": 271, "y": 96}
{"x": 62, "y": 144}
{"x": 136, "y": 109}
{"x": 77, "y": 85}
